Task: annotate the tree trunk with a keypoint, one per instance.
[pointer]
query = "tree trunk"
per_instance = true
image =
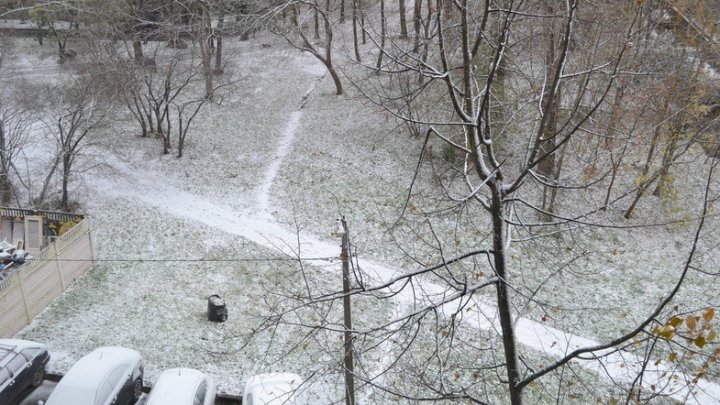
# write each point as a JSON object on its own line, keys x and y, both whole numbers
{"x": 417, "y": 22}
{"x": 138, "y": 51}
{"x": 610, "y": 135}
{"x": 219, "y": 41}
{"x": 507, "y": 326}
{"x": 316, "y": 23}
{"x": 383, "y": 28}
{"x": 663, "y": 187}
{"x": 204, "y": 38}
{"x": 328, "y": 51}
{"x": 5, "y": 189}
{"x": 67, "y": 161}
{"x": 362, "y": 23}
{"x": 551, "y": 105}
{"x": 644, "y": 180}
{"x": 356, "y": 45}
{"x": 426, "y": 41}
{"x": 403, "y": 21}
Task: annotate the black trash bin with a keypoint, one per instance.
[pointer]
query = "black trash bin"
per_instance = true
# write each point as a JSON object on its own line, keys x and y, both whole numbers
{"x": 217, "y": 311}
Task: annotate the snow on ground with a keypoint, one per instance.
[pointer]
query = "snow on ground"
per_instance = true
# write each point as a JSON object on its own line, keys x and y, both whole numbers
{"x": 256, "y": 167}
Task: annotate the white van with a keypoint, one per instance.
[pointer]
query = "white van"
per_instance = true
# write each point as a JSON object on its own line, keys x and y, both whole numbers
{"x": 106, "y": 376}
{"x": 183, "y": 386}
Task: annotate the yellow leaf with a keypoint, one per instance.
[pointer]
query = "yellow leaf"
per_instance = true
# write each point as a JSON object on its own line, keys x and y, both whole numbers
{"x": 672, "y": 357}
{"x": 709, "y": 314}
{"x": 675, "y": 321}
{"x": 666, "y": 332}
{"x": 691, "y": 322}
{"x": 711, "y": 335}
{"x": 699, "y": 341}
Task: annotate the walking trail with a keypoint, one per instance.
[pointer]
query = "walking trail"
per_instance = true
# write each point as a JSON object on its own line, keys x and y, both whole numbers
{"x": 256, "y": 224}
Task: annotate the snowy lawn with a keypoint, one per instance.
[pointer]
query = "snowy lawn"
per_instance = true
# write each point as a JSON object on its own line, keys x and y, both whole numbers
{"x": 169, "y": 232}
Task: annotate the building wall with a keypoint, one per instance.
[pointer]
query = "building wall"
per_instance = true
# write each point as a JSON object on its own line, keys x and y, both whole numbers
{"x": 31, "y": 288}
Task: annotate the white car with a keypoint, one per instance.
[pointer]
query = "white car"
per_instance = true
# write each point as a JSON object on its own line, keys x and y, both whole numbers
{"x": 106, "y": 376}
{"x": 274, "y": 389}
{"x": 183, "y": 386}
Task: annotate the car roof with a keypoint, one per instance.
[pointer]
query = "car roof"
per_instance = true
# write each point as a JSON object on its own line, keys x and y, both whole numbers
{"x": 274, "y": 378}
{"x": 83, "y": 379}
{"x": 176, "y": 386}
{"x": 8, "y": 346}
{"x": 274, "y": 388}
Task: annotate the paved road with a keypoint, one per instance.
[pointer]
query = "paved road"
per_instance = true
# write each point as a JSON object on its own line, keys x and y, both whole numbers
{"x": 40, "y": 393}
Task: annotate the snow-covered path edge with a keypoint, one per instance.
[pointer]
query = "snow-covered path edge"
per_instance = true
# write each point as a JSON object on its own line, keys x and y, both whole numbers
{"x": 257, "y": 225}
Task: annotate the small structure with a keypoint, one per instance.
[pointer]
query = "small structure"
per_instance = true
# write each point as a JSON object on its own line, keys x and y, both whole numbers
{"x": 59, "y": 250}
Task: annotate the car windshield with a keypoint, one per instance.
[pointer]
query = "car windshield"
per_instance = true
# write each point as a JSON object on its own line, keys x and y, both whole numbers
{"x": 72, "y": 395}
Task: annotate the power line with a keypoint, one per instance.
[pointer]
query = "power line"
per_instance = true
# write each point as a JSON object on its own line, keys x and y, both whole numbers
{"x": 262, "y": 259}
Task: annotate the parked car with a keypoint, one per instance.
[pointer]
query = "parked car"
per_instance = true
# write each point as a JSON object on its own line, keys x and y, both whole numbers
{"x": 183, "y": 386}
{"x": 22, "y": 365}
{"x": 274, "y": 389}
{"x": 106, "y": 376}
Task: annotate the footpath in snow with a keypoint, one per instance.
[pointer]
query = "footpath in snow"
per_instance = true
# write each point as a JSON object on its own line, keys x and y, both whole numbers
{"x": 257, "y": 225}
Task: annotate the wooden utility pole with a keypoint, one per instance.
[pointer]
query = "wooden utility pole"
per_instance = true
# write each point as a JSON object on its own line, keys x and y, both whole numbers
{"x": 349, "y": 373}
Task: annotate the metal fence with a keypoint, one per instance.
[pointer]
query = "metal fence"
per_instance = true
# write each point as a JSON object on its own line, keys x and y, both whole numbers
{"x": 29, "y": 289}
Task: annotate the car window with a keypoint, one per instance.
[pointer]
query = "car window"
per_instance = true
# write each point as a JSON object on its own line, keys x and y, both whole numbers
{"x": 111, "y": 381}
{"x": 200, "y": 394}
{"x": 17, "y": 364}
{"x": 31, "y": 353}
{"x": 4, "y": 376}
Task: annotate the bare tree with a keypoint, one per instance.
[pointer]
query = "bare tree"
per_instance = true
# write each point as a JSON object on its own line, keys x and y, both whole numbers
{"x": 14, "y": 123}
{"x": 305, "y": 11}
{"x": 82, "y": 109}
{"x": 521, "y": 93}
{"x": 60, "y": 18}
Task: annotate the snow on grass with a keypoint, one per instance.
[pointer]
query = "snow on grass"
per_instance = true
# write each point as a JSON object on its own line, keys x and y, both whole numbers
{"x": 236, "y": 195}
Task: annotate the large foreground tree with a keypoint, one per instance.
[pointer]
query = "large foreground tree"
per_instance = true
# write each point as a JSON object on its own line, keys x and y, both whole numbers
{"x": 536, "y": 119}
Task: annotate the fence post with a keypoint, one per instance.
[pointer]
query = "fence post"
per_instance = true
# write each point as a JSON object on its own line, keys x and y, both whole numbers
{"x": 24, "y": 296}
{"x": 58, "y": 266}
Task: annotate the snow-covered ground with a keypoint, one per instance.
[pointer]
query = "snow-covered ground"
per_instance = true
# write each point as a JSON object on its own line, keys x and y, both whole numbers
{"x": 264, "y": 177}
